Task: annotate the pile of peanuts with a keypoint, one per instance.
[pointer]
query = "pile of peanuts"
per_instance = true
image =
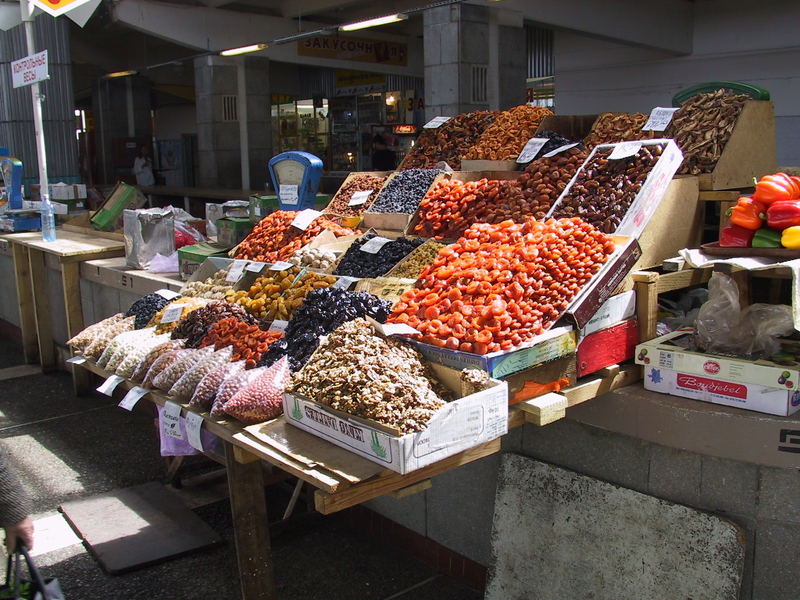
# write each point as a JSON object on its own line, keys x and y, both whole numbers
{"x": 276, "y": 295}
{"x": 249, "y": 341}
{"x": 273, "y": 238}
{"x": 211, "y": 288}
{"x": 359, "y": 182}
{"x": 545, "y": 179}
{"x": 413, "y": 264}
{"x": 506, "y": 137}
{"x": 611, "y": 128}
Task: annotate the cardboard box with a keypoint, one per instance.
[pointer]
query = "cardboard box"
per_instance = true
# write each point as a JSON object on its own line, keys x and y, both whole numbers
{"x": 614, "y": 310}
{"x": 232, "y": 230}
{"x": 397, "y": 222}
{"x": 553, "y": 344}
{"x": 607, "y": 347}
{"x": 490, "y": 165}
{"x": 749, "y": 396}
{"x": 261, "y": 206}
{"x": 191, "y": 257}
{"x": 564, "y": 368}
{"x": 662, "y": 353}
{"x": 59, "y": 191}
{"x": 458, "y": 426}
{"x": 121, "y": 197}
{"x": 655, "y": 186}
{"x": 601, "y": 287}
{"x": 572, "y": 127}
{"x": 388, "y": 288}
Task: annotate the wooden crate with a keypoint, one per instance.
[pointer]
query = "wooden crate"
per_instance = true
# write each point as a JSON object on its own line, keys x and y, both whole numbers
{"x": 572, "y": 127}
{"x": 750, "y": 151}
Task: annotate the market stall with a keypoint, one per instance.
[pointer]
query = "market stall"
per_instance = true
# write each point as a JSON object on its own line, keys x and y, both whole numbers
{"x": 402, "y": 330}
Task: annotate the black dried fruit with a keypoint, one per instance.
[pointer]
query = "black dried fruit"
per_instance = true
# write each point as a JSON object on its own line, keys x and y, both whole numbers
{"x": 357, "y": 263}
{"x": 144, "y": 309}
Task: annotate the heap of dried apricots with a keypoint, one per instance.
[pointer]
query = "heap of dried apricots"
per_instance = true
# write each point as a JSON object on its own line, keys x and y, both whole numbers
{"x": 502, "y": 284}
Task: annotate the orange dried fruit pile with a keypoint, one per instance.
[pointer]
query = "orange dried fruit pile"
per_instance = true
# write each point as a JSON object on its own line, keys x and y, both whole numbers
{"x": 273, "y": 238}
{"x": 501, "y": 285}
{"x": 249, "y": 341}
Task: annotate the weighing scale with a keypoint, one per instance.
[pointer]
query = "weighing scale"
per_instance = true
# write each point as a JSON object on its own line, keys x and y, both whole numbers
{"x": 295, "y": 177}
{"x": 12, "y": 216}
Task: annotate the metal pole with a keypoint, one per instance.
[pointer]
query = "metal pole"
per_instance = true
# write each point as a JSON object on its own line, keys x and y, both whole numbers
{"x": 48, "y": 222}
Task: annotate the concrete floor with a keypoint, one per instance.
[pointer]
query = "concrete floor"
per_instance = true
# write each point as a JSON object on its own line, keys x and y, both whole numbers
{"x": 66, "y": 448}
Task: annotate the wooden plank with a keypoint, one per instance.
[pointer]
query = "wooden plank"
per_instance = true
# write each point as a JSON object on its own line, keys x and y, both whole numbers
{"x": 250, "y": 528}
{"x": 40, "y": 298}
{"x": 27, "y": 317}
{"x": 389, "y": 481}
{"x": 679, "y": 280}
{"x": 646, "y": 309}
{"x": 311, "y": 450}
{"x": 593, "y": 388}
{"x": 243, "y": 456}
{"x": 724, "y": 219}
{"x": 673, "y": 264}
{"x": 723, "y": 195}
{"x": 70, "y": 244}
{"x": 645, "y": 276}
{"x": 412, "y": 489}
{"x": 70, "y": 283}
{"x": 545, "y": 409}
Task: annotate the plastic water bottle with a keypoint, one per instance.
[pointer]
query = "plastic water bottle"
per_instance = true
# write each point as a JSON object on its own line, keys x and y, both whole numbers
{"x": 48, "y": 220}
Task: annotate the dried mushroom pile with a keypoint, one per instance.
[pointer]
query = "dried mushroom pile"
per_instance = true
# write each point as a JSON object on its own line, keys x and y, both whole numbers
{"x": 703, "y": 125}
{"x": 450, "y": 141}
{"x": 389, "y": 384}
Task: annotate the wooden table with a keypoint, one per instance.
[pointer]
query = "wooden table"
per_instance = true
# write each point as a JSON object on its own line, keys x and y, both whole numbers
{"x": 342, "y": 479}
{"x": 70, "y": 249}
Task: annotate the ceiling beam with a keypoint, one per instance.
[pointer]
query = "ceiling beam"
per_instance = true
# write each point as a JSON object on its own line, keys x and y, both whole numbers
{"x": 665, "y": 25}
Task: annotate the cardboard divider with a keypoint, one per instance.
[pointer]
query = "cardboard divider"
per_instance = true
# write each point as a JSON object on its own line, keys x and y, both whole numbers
{"x": 572, "y": 127}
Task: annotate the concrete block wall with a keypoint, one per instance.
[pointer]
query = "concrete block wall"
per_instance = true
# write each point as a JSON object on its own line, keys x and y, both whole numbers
{"x": 457, "y": 510}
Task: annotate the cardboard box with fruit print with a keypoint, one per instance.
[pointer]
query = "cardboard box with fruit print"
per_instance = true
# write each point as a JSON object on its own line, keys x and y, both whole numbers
{"x": 759, "y": 385}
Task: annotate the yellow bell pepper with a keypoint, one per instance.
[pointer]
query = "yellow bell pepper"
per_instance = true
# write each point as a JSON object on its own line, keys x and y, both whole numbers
{"x": 790, "y": 238}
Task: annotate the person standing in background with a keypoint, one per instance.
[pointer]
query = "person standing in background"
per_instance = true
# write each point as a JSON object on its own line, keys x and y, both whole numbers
{"x": 143, "y": 168}
{"x": 14, "y": 506}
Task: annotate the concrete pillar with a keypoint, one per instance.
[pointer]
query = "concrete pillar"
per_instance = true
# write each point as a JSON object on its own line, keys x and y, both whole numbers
{"x": 121, "y": 108}
{"x": 474, "y": 59}
{"x": 232, "y": 121}
{"x": 16, "y": 112}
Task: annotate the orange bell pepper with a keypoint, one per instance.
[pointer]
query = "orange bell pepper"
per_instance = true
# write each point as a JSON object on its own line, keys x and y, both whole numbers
{"x": 772, "y": 188}
{"x": 748, "y": 213}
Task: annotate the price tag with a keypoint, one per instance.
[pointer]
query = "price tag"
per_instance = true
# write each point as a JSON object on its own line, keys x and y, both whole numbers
{"x": 559, "y": 150}
{"x": 388, "y": 329}
{"x": 236, "y": 270}
{"x": 168, "y": 294}
{"x": 194, "y": 423}
{"x": 280, "y": 266}
{"x": 132, "y": 397}
{"x": 76, "y": 360}
{"x": 374, "y": 245}
{"x": 360, "y": 198}
{"x": 304, "y": 218}
{"x": 288, "y": 194}
{"x": 531, "y": 149}
{"x": 278, "y": 326}
{"x": 255, "y": 267}
{"x": 344, "y": 283}
{"x": 171, "y": 420}
{"x": 110, "y": 384}
{"x": 172, "y": 313}
{"x": 625, "y": 150}
{"x": 660, "y": 118}
{"x": 436, "y": 122}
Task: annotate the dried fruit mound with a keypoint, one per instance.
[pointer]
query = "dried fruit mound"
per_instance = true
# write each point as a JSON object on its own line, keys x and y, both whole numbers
{"x": 506, "y": 137}
{"x": 501, "y": 285}
{"x": 273, "y": 238}
{"x": 249, "y": 341}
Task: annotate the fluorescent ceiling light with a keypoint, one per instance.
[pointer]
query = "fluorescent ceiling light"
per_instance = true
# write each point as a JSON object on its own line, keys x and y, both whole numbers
{"x": 374, "y": 22}
{"x": 244, "y": 49}
{"x": 119, "y": 74}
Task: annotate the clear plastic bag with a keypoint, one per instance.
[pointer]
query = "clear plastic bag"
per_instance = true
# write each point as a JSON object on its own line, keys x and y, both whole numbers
{"x": 724, "y": 328}
{"x": 167, "y": 378}
{"x": 160, "y": 350}
{"x": 262, "y": 398}
{"x": 185, "y": 386}
{"x": 206, "y": 391}
{"x": 232, "y": 385}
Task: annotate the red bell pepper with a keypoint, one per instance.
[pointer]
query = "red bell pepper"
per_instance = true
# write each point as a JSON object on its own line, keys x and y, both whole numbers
{"x": 734, "y": 236}
{"x": 773, "y": 188}
{"x": 747, "y": 213}
{"x": 783, "y": 214}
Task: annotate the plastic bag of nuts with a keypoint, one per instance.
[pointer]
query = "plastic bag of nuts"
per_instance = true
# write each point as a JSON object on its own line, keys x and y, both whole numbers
{"x": 206, "y": 390}
{"x": 605, "y": 189}
{"x": 83, "y": 339}
{"x": 262, "y": 398}
{"x": 144, "y": 365}
{"x": 185, "y": 386}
